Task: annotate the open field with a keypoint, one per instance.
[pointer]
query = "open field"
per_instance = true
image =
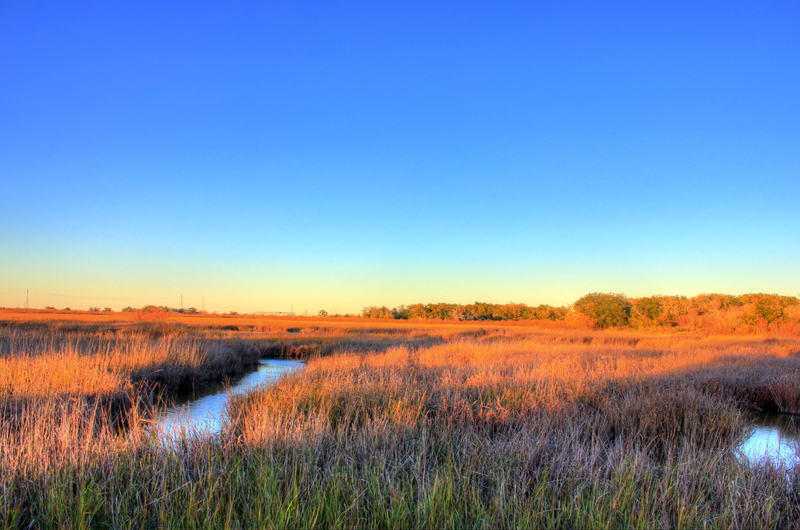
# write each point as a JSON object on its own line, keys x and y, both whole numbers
{"x": 391, "y": 424}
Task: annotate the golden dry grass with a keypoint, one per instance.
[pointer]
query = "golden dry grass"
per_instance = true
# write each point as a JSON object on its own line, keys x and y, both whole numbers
{"x": 396, "y": 425}
{"x": 533, "y": 431}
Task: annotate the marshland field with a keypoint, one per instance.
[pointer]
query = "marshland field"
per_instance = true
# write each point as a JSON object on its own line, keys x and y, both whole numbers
{"x": 393, "y": 422}
{"x": 178, "y": 178}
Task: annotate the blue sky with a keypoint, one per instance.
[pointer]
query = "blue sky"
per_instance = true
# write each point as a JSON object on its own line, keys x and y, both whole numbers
{"x": 338, "y": 155}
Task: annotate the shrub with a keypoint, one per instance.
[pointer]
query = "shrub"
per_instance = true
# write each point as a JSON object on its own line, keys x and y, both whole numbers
{"x": 649, "y": 307}
{"x": 769, "y": 308}
{"x": 377, "y": 312}
{"x": 605, "y": 309}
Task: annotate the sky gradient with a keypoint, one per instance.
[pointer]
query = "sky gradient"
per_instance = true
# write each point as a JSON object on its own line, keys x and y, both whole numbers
{"x": 338, "y": 155}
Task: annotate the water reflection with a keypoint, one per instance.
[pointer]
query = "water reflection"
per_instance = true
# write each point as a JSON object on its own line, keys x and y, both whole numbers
{"x": 775, "y": 436}
{"x": 204, "y": 412}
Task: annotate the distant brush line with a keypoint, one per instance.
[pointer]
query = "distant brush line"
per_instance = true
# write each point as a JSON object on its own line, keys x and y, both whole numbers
{"x": 132, "y": 298}
{"x": 149, "y": 300}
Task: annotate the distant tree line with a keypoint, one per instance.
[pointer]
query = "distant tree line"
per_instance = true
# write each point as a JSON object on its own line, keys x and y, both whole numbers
{"x": 726, "y": 313}
{"x": 476, "y": 311}
{"x": 162, "y": 309}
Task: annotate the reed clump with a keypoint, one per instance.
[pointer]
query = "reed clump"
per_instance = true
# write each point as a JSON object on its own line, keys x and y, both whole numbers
{"x": 527, "y": 433}
{"x": 108, "y": 371}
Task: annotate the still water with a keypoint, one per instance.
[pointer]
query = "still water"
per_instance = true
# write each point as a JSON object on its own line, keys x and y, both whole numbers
{"x": 774, "y": 436}
{"x": 204, "y": 412}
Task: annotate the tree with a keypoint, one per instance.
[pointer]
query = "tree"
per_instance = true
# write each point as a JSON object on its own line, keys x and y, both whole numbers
{"x": 768, "y": 307}
{"x": 376, "y": 312}
{"x": 417, "y": 311}
{"x": 457, "y": 313}
{"x": 401, "y": 312}
{"x": 649, "y": 307}
{"x": 605, "y": 309}
{"x": 322, "y": 313}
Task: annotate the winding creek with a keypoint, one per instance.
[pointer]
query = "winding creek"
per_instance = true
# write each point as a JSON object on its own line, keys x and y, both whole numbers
{"x": 774, "y": 436}
{"x": 204, "y": 411}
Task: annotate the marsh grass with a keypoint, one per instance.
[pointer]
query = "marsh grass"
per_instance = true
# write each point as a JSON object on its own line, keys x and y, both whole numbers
{"x": 492, "y": 428}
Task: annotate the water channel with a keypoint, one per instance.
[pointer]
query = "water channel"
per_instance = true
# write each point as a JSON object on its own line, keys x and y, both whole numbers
{"x": 774, "y": 436}
{"x": 204, "y": 412}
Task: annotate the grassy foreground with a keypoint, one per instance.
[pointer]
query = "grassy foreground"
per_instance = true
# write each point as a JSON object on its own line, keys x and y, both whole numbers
{"x": 479, "y": 427}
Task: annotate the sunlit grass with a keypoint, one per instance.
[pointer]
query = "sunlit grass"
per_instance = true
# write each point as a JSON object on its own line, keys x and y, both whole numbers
{"x": 480, "y": 427}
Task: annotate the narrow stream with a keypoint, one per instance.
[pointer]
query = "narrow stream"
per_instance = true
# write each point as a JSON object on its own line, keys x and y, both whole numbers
{"x": 775, "y": 436}
{"x": 204, "y": 411}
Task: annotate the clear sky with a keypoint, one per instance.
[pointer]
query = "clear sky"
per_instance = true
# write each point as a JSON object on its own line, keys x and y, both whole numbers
{"x": 341, "y": 154}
